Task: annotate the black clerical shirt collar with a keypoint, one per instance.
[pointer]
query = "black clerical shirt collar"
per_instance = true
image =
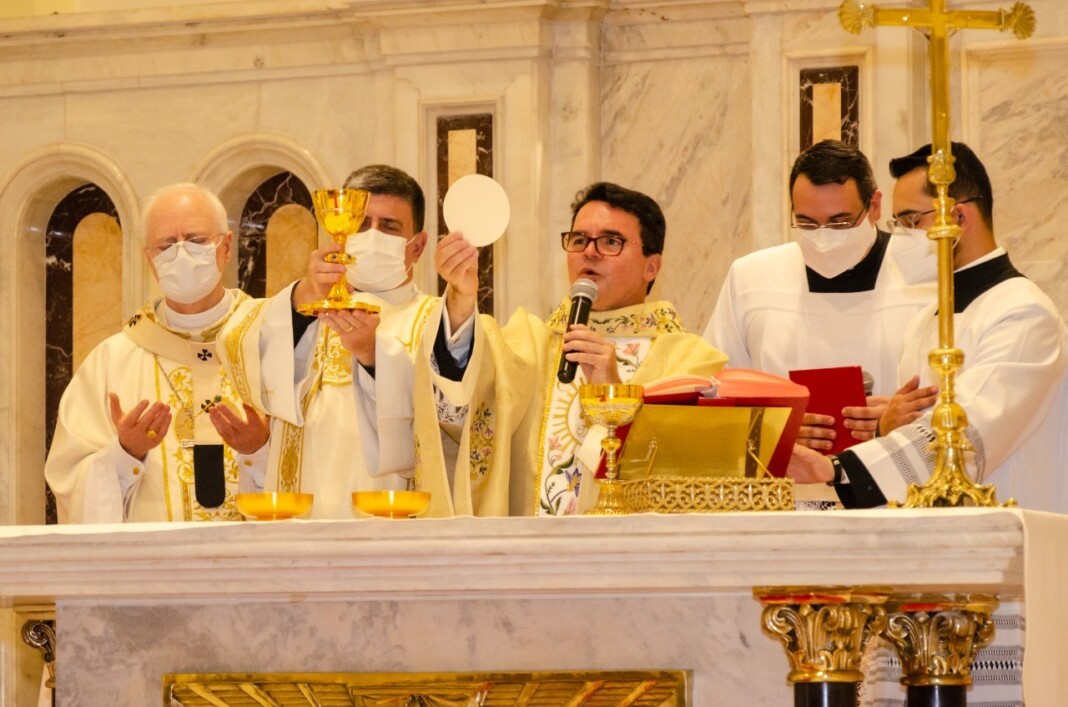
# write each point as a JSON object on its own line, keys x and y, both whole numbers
{"x": 860, "y": 278}
{"x": 973, "y": 281}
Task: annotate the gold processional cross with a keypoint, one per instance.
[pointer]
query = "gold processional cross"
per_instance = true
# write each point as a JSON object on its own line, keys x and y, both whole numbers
{"x": 949, "y": 485}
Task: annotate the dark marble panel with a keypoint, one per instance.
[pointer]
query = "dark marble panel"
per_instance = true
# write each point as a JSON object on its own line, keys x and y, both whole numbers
{"x": 281, "y": 189}
{"x": 848, "y": 77}
{"x": 59, "y": 299}
{"x": 482, "y": 124}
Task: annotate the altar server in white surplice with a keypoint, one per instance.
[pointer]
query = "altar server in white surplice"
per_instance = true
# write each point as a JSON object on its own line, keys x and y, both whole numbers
{"x": 316, "y": 378}
{"x": 1012, "y": 387}
{"x": 150, "y": 427}
{"x": 515, "y": 441}
{"x": 1013, "y": 341}
{"x": 840, "y": 294}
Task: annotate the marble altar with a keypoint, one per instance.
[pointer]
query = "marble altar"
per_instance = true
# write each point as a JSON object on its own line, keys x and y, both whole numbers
{"x": 135, "y": 602}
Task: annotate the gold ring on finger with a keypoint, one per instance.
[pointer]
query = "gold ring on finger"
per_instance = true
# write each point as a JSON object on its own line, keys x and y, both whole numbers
{"x": 151, "y": 434}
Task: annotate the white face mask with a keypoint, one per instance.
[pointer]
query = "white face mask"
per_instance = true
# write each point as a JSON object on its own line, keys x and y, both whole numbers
{"x": 831, "y": 252}
{"x": 379, "y": 262}
{"x": 189, "y": 273}
{"x": 915, "y": 254}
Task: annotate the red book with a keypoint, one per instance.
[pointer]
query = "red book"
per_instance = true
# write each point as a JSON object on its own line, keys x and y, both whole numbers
{"x": 830, "y": 390}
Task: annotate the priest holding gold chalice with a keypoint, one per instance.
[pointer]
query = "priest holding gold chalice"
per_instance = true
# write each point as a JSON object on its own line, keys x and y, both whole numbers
{"x": 308, "y": 356}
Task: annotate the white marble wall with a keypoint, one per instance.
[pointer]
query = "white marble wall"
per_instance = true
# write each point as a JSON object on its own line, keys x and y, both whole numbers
{"x": 694, "y": 103}
{"x": 118, "y": 654}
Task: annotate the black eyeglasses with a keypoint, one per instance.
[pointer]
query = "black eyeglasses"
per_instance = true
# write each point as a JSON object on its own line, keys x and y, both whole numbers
{"x": 835, "y": 226}
{"x": 911, "y": 219}
{"x": 578, "y": 241}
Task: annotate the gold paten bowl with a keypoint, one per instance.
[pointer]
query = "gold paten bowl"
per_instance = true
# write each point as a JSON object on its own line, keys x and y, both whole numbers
{"x": 390, "y": 504}
{"x": 274, "y": 506}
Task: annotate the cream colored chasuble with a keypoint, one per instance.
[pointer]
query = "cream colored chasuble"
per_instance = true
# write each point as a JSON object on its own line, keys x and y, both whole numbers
{"x": 137, "y": 364}
{"x": 519, "y": 450}
{"x": 325, "y": 426}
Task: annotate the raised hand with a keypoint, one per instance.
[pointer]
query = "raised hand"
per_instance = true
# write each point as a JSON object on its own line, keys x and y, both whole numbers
{"x": 320, "y": 278}
{"x": 907, "y": 405}
{"x": 141, "y": 429}
{"x": 456, "y": 261}
{"x": 245, "y": 435}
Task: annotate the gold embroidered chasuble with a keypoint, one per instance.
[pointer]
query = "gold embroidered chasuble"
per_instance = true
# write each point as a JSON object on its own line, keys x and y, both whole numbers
{"x": 319, "y": 431}
{"x": 136, "y": 364}
{"x": 523, "y": 428}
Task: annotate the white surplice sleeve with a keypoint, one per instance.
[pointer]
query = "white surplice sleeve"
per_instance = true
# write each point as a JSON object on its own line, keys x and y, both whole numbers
{"x": 285, "y": 365}
{"x": 726, "y": 327}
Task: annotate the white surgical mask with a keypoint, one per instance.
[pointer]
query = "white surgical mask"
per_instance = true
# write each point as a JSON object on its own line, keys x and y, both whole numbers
{"x": 915, "y": 254}
{"x": 831, "y": 252}
{"x": 379, "y": 262}
{"x": 189, "y": 273}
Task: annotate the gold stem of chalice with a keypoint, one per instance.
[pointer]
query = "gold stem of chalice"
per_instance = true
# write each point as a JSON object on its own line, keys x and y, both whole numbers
{"x": 340, "y": 212}
{"x": 610, "y": 405}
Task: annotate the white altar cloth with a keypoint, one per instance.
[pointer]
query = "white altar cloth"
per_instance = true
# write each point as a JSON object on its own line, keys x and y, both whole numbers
{"x": 583, "y": 593}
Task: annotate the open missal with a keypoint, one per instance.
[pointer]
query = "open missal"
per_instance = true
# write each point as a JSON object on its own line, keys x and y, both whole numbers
{"x": 739, "y": 423}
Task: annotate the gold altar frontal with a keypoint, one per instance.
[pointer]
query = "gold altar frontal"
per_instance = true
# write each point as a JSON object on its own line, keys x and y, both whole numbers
{"x": 634, "y": 688}
{"x": 697, "y": 459}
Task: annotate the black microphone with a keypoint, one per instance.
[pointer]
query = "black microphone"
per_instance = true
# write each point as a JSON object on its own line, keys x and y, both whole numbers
{"x": 583, "y": 293}
{"x": 869, "y": 382}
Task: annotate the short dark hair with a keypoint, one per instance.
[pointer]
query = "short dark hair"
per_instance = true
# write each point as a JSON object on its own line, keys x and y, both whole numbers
{"x": 835, "y": 162}
{"x": 390, "y": 181}
{"x": 645, "y": 208}
{"x": 971, "y": 183}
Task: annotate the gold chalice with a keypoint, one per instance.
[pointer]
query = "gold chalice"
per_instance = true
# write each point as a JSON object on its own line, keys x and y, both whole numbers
{"x": 610, "y": 405}
{"x": 340, "y": 212}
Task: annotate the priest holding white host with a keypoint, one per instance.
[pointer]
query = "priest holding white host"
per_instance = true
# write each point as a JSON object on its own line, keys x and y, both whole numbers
{"x": 320, "y": 378}
{"x": 497, "y": 432}
{"x": 151, "y": 428}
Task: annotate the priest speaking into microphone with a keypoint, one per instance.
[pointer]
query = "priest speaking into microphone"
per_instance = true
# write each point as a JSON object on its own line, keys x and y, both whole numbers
{"x": 497, "y": 432}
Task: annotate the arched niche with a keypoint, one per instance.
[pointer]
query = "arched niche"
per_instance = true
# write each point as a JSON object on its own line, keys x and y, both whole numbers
{"x": 28, "y": 196}
{"x": 236, "y": 168}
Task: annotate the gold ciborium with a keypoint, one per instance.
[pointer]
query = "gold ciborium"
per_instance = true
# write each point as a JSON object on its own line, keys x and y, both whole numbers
{"x": 340, "y": 212}
{"x": 610, "y": 405}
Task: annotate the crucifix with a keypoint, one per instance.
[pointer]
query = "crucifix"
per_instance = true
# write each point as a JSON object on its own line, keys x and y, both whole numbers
{"x": 949, "y": 485}
{"x": 826, "y": 630}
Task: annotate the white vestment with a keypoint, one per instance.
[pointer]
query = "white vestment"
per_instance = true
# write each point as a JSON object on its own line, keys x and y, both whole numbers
{"x": 767, "y": 318}
{"x": 326, "y": 427}
{"x": 521, "y": 444}
{"x": 1015, "y": 359}
{"x": 93, "y": 478}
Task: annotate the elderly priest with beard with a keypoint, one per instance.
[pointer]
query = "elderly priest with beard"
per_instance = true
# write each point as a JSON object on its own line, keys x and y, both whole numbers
{"x": 511, "y": 437}
{"x": 149, "y": 428}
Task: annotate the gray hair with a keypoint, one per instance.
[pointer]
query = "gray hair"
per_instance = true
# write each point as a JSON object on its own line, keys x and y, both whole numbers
{"x": 221, "y": 222}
